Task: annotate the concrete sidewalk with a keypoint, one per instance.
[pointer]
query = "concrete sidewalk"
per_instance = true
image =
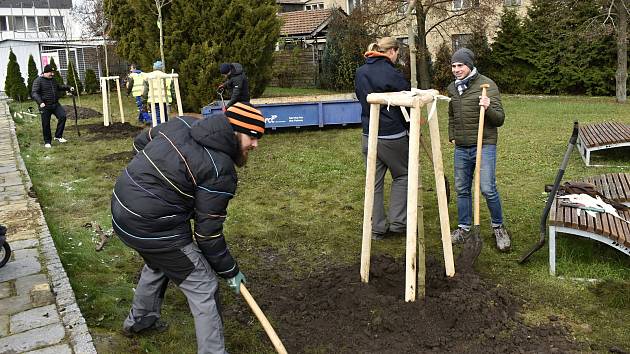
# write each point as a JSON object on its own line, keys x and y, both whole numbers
{"x": 38, "y": 310}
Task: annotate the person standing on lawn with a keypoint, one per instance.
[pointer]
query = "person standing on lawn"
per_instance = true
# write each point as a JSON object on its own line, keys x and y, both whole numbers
{"x": 46, "y": 93}
{"x": 463, "y": 125}
{"x": 184, "y": 170}
{"x": 379, "y": 74}
{"x": 135, "y": 87}
{"x": 236, "y": 82}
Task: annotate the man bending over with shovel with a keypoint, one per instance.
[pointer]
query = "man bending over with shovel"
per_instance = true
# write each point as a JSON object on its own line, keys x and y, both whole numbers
{"x": 184, "y": 170}
{"x": 463, "y": 124}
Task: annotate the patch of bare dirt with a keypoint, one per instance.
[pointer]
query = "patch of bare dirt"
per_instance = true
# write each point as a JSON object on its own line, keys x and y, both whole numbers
{"x": 111, "y": 132}
{"x": 82, "y": 112}
{"x": 334, "y": 312}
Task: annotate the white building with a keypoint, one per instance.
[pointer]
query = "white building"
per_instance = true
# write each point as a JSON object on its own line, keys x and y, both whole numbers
{"x": 45, "y": 30}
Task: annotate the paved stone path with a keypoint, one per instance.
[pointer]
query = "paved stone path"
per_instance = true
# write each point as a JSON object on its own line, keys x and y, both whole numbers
{"x": 38, "y": 310}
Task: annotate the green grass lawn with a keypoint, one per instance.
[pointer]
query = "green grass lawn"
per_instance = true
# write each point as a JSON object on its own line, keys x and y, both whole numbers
{"x": 300, "y": 200}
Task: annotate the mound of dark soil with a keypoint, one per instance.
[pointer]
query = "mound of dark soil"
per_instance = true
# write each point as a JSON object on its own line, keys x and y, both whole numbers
{"x": 113, "y": 131}
{"x": 334, "y": 312}
{"x": 82, "y": 112}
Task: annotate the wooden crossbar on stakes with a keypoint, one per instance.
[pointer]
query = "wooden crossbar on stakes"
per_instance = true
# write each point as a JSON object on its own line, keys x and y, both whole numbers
{"x": 415, "y": 102}
{"x": 160, "y": 90}
{"x": 105, "y": 95}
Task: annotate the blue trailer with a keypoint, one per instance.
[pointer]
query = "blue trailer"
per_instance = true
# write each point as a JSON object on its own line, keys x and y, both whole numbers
{"x": 319, "y": 111}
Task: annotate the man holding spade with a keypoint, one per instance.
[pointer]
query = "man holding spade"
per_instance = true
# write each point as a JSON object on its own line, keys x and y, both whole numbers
{"x": 463, "y": 127}
{"x": 184, "y": 171}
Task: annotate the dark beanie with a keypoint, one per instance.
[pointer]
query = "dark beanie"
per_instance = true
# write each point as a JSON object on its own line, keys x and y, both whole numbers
{"x": 225, "y": 68}
{"x": 246, "y": 119}
{"x": 464, "y": 56}
{"x": 48, "y": 69}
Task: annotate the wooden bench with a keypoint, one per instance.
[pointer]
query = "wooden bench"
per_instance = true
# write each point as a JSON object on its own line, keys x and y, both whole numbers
{"x": 603, "y": 227}
{"x": 601, "y": 136}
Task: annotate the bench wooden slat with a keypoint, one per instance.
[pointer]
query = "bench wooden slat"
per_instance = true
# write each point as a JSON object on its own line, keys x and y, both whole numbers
{"x": 622, "y": 130}
{"x": 625, "y": 181}
{"x": 613, "y": 133}
{"x": 600, "y": 135}
{"x": 587, "y": 139}
{"x": 626, "y": 215}
{"x": 622, "y": 189}
{"x": 612, "y": 185}
{"x": 595, "y": 134}
{"x": 552, "y": 212}
{"x": 605, "y": 224}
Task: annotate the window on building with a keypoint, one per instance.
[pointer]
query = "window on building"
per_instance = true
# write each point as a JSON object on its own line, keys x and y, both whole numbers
{"x": 4, "y": 25}
{"x": 461, "y": 40}
{"x": 18, "y": 23}
{"x": 464, "y": 4}
{"x": 353, "y": 4}
{"x": 43, "y": 23}
{"x": 318, "y": 6}
{"x": 30, "y": 23}
{"x": 58, "y": 23}
{"x": 512, "y": 2}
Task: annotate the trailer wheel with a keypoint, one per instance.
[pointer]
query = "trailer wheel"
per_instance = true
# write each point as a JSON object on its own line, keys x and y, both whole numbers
{"x": 5, "y": 254}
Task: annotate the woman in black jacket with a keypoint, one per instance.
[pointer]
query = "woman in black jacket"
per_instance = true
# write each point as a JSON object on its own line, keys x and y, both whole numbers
{"x": 378, "y": 74}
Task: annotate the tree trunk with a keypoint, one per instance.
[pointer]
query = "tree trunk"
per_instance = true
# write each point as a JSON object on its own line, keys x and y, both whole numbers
{"x": 161, "y": 38}
{"x": 412, "y": 44}
{"x": 423, "y": 65}
{"x": 621, "y": 75}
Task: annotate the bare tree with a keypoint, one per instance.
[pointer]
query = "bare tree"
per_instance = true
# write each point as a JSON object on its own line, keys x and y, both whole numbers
{"x": 614, "y": 18}
{"x": 442, "y": 16}
{"x": 619, "y": 9}
{"x": 91, "y": 15}
{"x": 159, "y": 5}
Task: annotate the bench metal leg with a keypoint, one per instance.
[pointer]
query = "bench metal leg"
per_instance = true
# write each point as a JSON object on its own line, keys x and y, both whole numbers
{"x": 552, "y": 250}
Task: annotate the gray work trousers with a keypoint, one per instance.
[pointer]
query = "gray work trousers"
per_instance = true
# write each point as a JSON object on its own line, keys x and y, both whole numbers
{"x": 198, "y": 283}
{"x": 392, "y": 155}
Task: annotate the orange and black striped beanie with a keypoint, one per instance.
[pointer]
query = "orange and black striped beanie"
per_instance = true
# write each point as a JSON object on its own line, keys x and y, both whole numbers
{"x": 246, "y": 119}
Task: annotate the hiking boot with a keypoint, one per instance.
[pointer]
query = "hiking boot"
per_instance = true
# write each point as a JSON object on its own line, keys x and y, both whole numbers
{"x": 459, "y": 236}
{"x": 158, "y": 326}
{"x": 503, "y": 238}
{"x": 61, "y": 140}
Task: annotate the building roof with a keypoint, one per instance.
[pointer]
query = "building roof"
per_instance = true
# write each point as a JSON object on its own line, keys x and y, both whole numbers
{"x": 39, "y": 4}
{"x": 303, "y": 22}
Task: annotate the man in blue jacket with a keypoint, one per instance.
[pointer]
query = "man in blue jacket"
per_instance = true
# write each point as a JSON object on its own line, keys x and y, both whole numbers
{"x": 378, "y": 74}
{"x": 184, "y": 170}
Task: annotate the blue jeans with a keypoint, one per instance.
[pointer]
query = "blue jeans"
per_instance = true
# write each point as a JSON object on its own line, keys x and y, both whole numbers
{"x": 465, "y": 157}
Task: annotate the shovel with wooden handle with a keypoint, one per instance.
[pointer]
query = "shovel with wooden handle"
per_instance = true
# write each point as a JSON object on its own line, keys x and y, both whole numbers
{"x": 275, "y": 340}
{"x": 473, "y": 245}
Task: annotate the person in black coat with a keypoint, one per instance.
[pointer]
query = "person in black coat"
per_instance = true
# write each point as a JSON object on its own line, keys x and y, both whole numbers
{"x": 183, "y": 171}
{"x": 46, "y": 93}
{"x": 378, "y": 74}
{"x": 236, "y": 83}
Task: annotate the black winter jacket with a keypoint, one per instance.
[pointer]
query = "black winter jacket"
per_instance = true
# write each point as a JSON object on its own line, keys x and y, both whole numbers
{"x": 378, "y": 74}
{"x": 183, "y": 170}
{"x": 47, "y": 91}
{"x": 237, "y": 84}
